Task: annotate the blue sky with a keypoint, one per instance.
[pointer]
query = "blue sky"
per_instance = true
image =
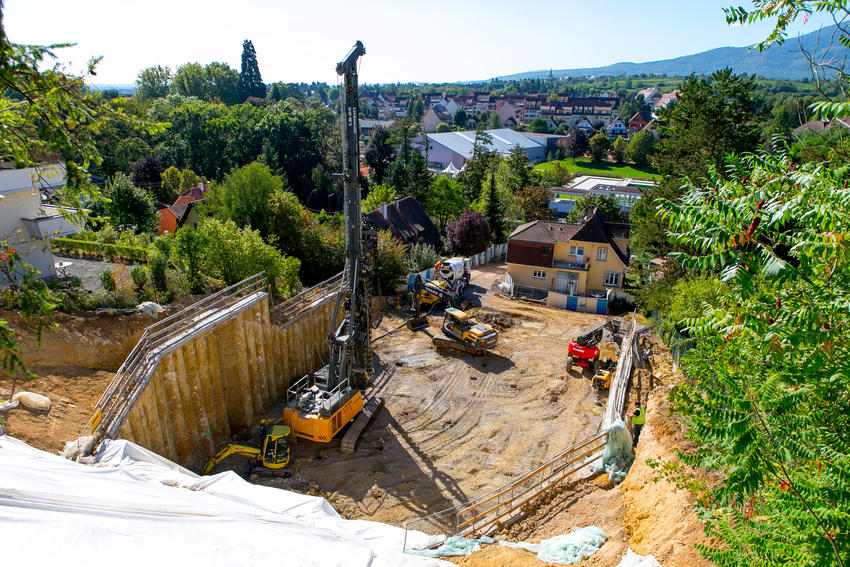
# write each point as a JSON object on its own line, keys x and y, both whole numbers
{"x": 300, "y": 40}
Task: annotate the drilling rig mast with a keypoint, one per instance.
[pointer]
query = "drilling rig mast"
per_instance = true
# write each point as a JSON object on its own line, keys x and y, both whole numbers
{"x": 319, "y": 405}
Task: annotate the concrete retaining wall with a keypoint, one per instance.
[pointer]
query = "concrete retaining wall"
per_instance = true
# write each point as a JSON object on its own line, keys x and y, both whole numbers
{"x": 216, "y": 383}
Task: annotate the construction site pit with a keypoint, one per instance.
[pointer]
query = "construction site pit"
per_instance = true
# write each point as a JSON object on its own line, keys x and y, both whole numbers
{"x": 454, "y": 426}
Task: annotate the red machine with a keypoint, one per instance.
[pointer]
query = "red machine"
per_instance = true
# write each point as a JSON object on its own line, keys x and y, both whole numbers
{"x": 582, "y": 351}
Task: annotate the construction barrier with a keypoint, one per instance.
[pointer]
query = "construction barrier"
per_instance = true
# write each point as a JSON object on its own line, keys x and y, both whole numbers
{"x": 622, "y": 375}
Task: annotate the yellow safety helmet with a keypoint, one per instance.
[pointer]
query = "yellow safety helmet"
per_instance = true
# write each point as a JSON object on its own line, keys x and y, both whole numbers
{"x": 262, "y": 421}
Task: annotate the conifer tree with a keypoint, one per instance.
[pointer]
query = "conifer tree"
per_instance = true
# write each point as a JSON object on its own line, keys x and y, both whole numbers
{"x": 250, "y": 82}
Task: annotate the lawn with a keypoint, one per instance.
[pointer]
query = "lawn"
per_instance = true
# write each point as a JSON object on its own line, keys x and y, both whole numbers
{"x": 605, "y": 168}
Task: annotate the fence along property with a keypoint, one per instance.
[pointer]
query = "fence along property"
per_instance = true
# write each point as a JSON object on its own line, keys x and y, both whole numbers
{"x": 505, "y": 505}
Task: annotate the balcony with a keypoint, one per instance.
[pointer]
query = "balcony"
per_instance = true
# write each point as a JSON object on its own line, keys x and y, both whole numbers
{"x": 50, "y": 224}
{"x": 567, "y": 265}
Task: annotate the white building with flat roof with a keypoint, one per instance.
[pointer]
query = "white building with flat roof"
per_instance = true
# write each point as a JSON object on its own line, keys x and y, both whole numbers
{"x": 625, "y": 191}
{"x": 26, "y": 223}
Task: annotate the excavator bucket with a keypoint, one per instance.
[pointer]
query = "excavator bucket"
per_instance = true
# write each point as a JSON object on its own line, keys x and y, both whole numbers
{"x": 417, "y": 323}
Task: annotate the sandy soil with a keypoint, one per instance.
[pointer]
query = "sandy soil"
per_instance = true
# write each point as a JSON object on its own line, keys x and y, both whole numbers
{"x": 455, "y": 426}
{"x": 74, "y": 364}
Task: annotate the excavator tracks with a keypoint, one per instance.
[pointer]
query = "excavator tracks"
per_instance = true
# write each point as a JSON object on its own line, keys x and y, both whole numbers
{"x": 370, "y": 408}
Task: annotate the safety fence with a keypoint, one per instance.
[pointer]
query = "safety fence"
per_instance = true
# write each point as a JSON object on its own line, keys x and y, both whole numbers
{"x": 487, "y": 513}
{"x": 307, "y": 299}
{"x": 495, "y": 252}
{"x": 158, "y": 339}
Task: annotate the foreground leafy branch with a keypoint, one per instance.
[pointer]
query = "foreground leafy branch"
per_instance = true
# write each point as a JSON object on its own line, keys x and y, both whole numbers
{"x": 767, "y": 395}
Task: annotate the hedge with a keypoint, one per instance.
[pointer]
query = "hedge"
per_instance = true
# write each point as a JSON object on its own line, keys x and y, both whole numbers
{"x": 99, "y": 249}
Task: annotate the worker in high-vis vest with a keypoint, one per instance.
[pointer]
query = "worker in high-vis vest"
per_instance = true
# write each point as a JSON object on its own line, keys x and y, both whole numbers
{"x": 638, "y": 419}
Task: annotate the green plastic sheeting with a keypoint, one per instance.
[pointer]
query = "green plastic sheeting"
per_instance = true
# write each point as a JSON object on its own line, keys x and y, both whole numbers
{"x": 568, "y": 548}
{"x": 617, "y": 457}
{"x": 455, "y": 545}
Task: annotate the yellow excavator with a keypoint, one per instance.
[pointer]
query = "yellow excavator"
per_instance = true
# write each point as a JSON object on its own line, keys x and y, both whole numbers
{"x": 273, "y": 455}
{"x": 465, "y": 333}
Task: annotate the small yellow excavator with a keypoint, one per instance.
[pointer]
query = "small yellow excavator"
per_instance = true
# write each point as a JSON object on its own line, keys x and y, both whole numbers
{"x": 465, "y": 333}
{"x": 273, "y": 455}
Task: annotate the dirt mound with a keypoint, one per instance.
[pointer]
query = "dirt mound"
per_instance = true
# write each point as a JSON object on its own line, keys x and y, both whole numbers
{"x": 73, "y": 396}
{"x": 74, "y": 364}
{"x": 659, "y": 518}
{"x": 501, "y": 321}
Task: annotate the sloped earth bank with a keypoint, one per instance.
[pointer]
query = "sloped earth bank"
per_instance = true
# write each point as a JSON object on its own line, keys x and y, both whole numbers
{"x": 74, "y": 364}
{"x": 651, "y": 517}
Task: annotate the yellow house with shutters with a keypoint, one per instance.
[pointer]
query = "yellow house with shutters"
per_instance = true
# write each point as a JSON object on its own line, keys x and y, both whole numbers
{"x": 571, "y": 266}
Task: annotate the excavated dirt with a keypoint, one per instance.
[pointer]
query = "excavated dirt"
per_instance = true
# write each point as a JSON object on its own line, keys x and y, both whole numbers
{"x": 74, "y": 363}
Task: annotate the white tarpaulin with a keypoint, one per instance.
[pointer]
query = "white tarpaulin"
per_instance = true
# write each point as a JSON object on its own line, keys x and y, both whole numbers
{"x": 137, "y": 508}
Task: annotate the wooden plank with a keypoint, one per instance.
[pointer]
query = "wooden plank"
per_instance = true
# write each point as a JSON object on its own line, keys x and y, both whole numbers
{"x": 370, "y": 408}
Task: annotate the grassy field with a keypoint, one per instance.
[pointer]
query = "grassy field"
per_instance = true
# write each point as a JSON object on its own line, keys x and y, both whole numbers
{"x": 605, "y": 168}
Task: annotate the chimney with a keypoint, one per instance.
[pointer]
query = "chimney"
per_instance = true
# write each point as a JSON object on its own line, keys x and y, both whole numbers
{"x": 384, "y": 211}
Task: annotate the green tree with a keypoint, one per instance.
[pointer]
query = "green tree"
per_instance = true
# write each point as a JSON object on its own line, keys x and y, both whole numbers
{"x": 250, "y": 81}
{"x": 460, "y": 118}
{"x": 392, "y": 263}
{"x": 538, "y": 125}
{"x": 577, "y": 144}
{"x": 476, "y": 170}
{"x": 130, "y": 208}
{"x": 190, "y": 80}
{"x": 409, "y": 173}
{"x": 494, "y": 209}
{"x": 416, "y": 110}
{"x": 379, "y": 153}
{"x": 147, "y": 175}
{"x": 232, "y": 253}
{"x": 599, "y": 146}
{"x": 515, "y": 172}
{"x": 619, "y": 148}
{"x": 243, "y": 197}
{"x": 378, "y": 194}
{"x": 641, "y": 147}
{"x": 765, "y": 400}
{"x": 711, "y": 118}
{"x": 421, "y": 257}
{"x": 153, "y": 82}
{"x": 189, "y": 246}
{"x": 608, "y": 206}
{"x": 443, "y": 127}
{"x": 445, "y": 200}
{"x": 493, "y": 121}
{"x": 533, "y": 202}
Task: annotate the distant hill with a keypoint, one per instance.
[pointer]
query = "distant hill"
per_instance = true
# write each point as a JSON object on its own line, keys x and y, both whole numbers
{"x": 122, "y": 88}
{"x": 778, "y": 62}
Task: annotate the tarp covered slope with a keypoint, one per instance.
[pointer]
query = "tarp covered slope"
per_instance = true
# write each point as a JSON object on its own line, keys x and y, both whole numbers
{"x": 136, "y": 508}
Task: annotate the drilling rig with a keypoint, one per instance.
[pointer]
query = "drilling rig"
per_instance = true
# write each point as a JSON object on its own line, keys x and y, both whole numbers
{"x": 322, "y": 403}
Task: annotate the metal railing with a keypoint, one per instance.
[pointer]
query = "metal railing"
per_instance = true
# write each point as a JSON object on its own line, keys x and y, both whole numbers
{"x": 292, "y": 307}
{"x": 487, "y": 513}
{"x": 133, "y": 375}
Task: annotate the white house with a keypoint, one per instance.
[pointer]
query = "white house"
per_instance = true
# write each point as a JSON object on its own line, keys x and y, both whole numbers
{"x": 626, "y": 192}
{"x": 616, "y": 128}
{"x": 26, "y": 223}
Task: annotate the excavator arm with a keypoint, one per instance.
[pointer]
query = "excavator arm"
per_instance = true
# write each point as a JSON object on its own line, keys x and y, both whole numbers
{"x": 243, "y": 450}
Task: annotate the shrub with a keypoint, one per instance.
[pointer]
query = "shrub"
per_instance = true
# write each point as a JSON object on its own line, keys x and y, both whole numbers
{"x": 469, "y": 234}
{"x": 140, "y": 278}
{"x": 392, "y": 265}
{"x": 107, "y": 280}
{"x": 421, "y": 257}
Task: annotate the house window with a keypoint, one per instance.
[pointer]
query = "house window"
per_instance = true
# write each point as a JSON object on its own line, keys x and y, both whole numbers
{"x": 544, "y": 251}
{"x": 539, "y": 274}
{"x": 576, "y": 250}
{"x": 602, "y": 254}
{"x": 612, "y": 278}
